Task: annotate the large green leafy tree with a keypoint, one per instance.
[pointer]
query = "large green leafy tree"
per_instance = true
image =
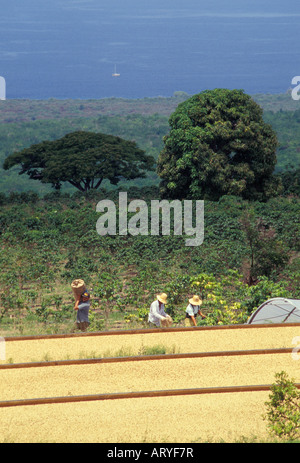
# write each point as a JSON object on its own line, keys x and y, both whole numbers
{"x": 218, "y": 144}
{"x": 83, "y": 159}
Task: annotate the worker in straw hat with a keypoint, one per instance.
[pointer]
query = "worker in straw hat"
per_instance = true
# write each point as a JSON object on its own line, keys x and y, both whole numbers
{"x": 192, "y": 310}
{"x": 157, "y": 314}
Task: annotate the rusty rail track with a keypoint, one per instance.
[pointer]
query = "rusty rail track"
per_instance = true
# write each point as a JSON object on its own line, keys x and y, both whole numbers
{"x": 136, "y": 395}
{"x": 146, "y": 331}
{"x": 141, "y": 358}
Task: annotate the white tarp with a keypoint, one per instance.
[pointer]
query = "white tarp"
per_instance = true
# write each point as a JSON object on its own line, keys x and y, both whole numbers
{"x": 277, "y": 310}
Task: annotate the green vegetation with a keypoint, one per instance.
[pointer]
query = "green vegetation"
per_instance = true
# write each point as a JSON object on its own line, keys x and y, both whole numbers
{"x": 286, "y": 125}
{"x": 218, "y": 144}
{"x": 283, "y": 409}
{"x": 250, "y": 250}
{"x": 49, "y": 242}
{"x": 157, "y": 349}
{"x": 28, "y": 122}
{"x": 19, "y": 111}
{"x": 146, "y": 131}
{"x": 84, "y": 159}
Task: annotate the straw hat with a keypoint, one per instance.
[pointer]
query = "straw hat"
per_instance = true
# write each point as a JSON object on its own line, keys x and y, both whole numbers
{"x": 162, "y": 298}
{"x": 195, "y": 300}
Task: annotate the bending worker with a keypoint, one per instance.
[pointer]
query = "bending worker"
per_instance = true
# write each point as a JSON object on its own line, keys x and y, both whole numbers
{"x": 192, "y": 310}
{"x": 157, "y": 314}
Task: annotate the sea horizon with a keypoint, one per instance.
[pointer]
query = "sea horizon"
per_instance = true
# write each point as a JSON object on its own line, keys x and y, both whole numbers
{"x": 83, "y": 49}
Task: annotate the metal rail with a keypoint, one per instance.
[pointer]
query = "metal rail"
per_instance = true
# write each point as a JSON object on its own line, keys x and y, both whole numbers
{"x": 148, "y": 331}
{"x": 135, "y": 395}
{"x": 140, "y": 358}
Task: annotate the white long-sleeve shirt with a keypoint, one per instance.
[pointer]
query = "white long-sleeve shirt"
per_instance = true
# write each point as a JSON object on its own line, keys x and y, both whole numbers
{"x": 157, "y": 313}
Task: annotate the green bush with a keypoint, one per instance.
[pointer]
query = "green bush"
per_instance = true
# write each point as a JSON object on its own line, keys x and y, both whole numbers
{"x": 283, "y": 409}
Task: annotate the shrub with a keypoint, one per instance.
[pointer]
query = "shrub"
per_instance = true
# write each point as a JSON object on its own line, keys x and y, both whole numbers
{"x": 283, "y": 410}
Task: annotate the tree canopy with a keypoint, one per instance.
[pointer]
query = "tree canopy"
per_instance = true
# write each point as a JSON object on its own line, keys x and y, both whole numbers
{"x": 83, "y": 159}
{"x": 218, "y": 144}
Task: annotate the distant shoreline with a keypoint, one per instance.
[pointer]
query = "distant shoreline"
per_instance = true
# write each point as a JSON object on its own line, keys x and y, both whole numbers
{"x": 27, "y": 110}
{"x": 52, "y": 98}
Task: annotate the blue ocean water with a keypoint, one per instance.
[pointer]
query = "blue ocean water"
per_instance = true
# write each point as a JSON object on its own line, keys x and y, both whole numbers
{"x": 71, "y": 48}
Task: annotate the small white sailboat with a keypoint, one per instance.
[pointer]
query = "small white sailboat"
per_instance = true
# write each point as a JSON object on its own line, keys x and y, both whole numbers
{"x": 115, "y": 74}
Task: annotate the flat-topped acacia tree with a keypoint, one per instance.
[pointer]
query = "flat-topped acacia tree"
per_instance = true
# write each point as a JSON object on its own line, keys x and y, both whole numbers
{"x": 218, "y": 145}
{"x": 84, "y": 159}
